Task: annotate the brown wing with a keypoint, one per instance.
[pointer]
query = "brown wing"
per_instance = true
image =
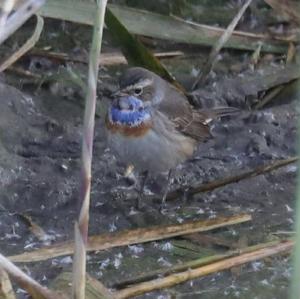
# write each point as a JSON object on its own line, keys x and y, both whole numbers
{"x": 187, "y": 120}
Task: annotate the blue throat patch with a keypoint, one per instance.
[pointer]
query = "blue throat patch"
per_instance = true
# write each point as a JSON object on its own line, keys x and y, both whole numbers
{"x": 135, "y": 115}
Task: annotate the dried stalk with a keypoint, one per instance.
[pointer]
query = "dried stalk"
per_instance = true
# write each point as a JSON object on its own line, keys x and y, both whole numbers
{"x": 36, "y": 290}
{"x": 234, "y": 179}
{"x": 25, "y": 73}
{"x": 128, "y": 237}
{"x": 81, "y": 226}
{"x": 270, "y": 96}
{"x": 192, "y": 264}
{"x": 181, "y": 277}
{"x": 5, "y": 10}
{"x": 26, "y": 47}
{"x": 218, "y": 31}
{"x": 94, "y": 288}
{"x": 295, "y": 285}
{"x": 287, "y": 8}
{"x": 105, "y": 58}
{"x": 6, "y": 290}
{"x": 256, "y": 55}
{"x": 218, "y": 46}
{"x": 19, "y": 17}
{"x": 276, "y": 90}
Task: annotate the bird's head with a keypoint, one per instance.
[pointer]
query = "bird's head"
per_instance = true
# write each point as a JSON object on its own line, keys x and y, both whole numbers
{"x": 140, "y": 91}
{"x": 142, "y": 84}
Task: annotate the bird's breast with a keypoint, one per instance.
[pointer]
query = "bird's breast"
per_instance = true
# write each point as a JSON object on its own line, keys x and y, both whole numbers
{"x": 128, "y": 130}
{"x": 129, "y": 124}
{"x": 128, "y": 117}
{"x": 152, "y": 144}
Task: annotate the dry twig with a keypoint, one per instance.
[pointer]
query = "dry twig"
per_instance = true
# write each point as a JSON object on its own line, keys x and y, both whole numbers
{"x": 181, "y": 277}
{"x": 286, "y": 7}
{"x": 105, "y": 58}
{"x": 81, "y": 226}
{"x": 36, "y": 290}
{"x": 94, "y": 288}
{"x": 192, "y": 264}
{"x": 219, "y": 45}
{"x": 234, "y": 179}
{"x": 26, "y": 47}
{"x": 128, "y": 237}
{"x": 6, "y": 290}
{"x": 5, "y": 8}
{"x": 276, "y": 90}
{"x": 19, "y": 17}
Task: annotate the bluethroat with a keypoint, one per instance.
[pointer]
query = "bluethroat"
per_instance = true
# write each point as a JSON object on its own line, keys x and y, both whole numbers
{"x": 151, "y": 125}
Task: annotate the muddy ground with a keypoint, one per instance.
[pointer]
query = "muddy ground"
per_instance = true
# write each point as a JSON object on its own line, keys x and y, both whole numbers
{"x": 40, "y": 137}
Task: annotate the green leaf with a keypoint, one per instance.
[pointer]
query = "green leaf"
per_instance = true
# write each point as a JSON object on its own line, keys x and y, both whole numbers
{"x": 154, "y": 25}
{"x": 134, "y": 51}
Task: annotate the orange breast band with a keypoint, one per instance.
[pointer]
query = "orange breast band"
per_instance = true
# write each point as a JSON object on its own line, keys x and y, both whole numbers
{"x": 129, "y": 131}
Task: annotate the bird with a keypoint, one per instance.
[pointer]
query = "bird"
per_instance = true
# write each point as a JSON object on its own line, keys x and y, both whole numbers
{"x": 151, "y": 125}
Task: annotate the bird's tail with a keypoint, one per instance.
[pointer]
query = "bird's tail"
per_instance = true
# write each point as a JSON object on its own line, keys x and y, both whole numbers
{"x": 221, "y": 111}
{"x": 213, "y": 113}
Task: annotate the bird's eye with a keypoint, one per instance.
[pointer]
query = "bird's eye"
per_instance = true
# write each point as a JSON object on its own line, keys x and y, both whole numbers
{"x": 138, "y": 91}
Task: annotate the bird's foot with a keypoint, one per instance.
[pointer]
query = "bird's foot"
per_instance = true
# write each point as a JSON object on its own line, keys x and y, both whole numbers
{"x": 162, "y": 208}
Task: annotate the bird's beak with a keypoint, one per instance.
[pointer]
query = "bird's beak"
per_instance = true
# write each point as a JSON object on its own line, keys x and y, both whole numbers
{"x": 119, "y": 93}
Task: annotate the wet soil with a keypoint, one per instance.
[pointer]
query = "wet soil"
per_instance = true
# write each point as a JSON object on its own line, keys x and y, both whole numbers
{"x": 39, "y": 168}
{"x": 40, "y": 139}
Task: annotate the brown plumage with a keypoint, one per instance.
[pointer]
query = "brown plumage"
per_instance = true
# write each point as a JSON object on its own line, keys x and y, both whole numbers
{"x": 171, "y": 134}
{"x": 151, "y": 125}
{"x": 171, "y": 102}
{"x": 129, "y": 131}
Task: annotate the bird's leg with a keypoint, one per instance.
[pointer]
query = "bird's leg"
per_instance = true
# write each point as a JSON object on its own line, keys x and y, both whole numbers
{"x": 166, "y": 191}
{"x": 141, "y": 194}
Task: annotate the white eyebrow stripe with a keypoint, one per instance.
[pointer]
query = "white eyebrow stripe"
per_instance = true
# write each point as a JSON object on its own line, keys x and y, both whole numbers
{"x": 140, "y": 84}
{"x": 144, "y": 83}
